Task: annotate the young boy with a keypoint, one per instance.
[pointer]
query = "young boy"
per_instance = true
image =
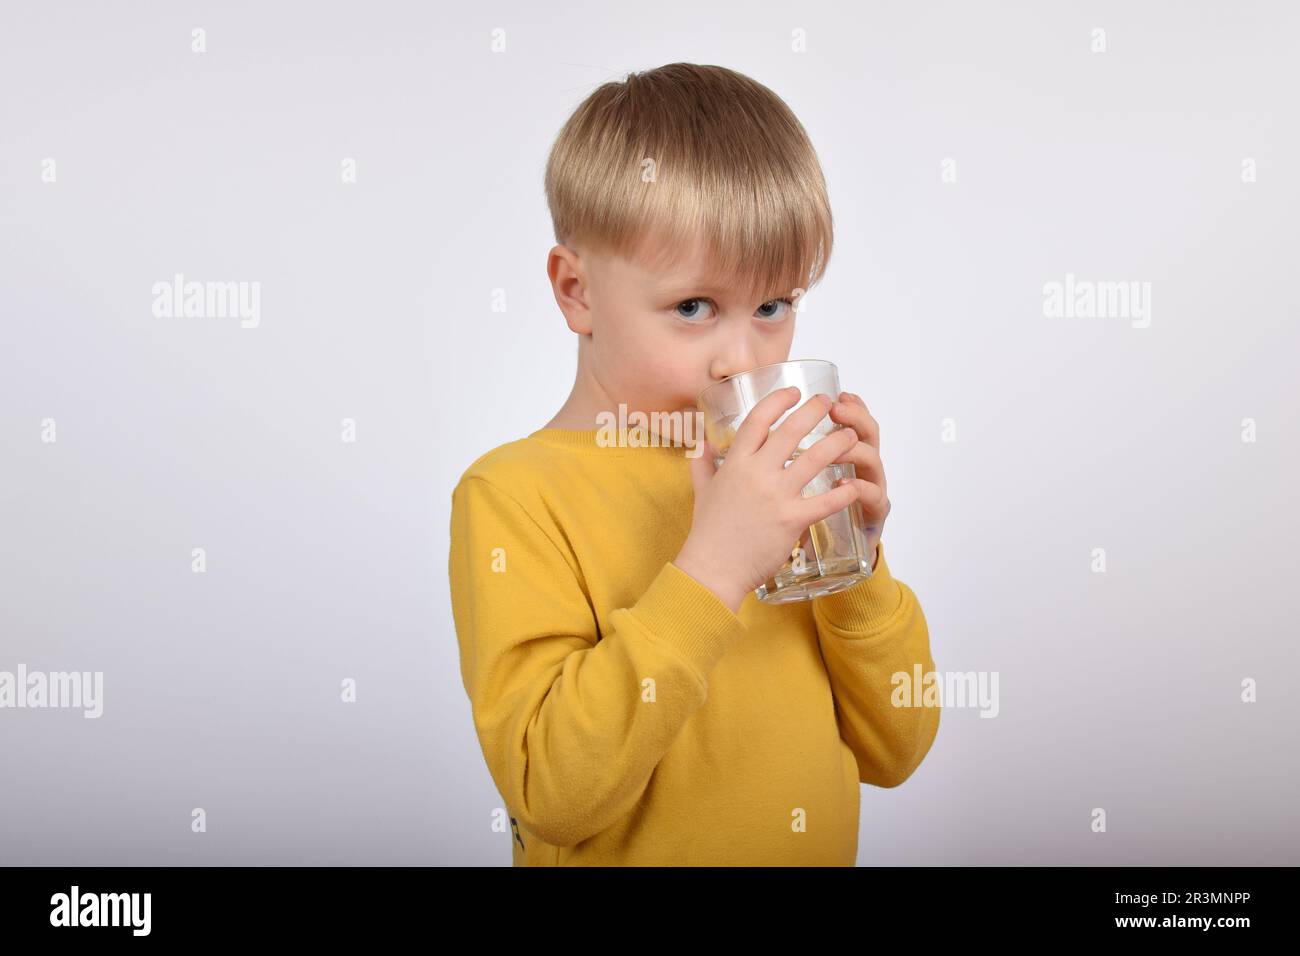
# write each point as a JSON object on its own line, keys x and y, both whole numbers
{"x": 636, "y": 704}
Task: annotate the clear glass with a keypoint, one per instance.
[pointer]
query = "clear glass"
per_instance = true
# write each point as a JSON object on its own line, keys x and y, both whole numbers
{"x": 831, "y": 554}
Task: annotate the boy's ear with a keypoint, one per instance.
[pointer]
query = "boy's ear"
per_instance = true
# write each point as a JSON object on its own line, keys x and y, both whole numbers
{"x": 569, "y": 284}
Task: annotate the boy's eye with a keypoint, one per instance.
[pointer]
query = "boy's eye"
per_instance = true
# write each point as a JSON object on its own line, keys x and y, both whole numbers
{"x": 693, "y": 311}
{"x": 775, "y": 313}
{"x": 779, "y": 314}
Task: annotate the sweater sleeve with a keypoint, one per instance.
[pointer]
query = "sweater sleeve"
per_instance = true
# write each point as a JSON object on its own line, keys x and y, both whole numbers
{"x": 869, "y": 633}
{"x": 571, "y": 722}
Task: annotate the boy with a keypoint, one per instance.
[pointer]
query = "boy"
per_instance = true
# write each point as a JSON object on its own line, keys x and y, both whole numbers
{"x": 635, "y": 703}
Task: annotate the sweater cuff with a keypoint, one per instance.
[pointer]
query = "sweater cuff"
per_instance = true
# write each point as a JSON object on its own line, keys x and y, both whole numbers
{"x": 679, "y": 611}
{"x": 866, "y": 606}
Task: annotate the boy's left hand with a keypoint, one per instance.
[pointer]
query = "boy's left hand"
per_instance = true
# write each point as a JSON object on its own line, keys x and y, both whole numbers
{"x": 851, "y": 412}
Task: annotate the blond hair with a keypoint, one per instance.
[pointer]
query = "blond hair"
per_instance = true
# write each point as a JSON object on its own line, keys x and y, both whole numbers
{"x": 647, "y": 166}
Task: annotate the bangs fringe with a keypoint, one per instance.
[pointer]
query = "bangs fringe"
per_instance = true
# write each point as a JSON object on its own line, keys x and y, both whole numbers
{"x": 698, "y": 165}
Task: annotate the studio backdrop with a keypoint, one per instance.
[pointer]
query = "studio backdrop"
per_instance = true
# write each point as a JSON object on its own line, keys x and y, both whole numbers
{"x": 273, "y": 275}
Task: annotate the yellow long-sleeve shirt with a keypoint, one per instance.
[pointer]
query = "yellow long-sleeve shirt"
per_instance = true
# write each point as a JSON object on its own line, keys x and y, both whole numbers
{"x": 627, "y": 716}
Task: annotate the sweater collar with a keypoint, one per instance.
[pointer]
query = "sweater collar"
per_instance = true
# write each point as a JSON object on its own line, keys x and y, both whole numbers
{"x": 608, "y": 441}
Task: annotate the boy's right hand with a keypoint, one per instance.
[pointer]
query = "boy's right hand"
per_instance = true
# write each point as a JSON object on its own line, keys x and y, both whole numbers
{"x": 749, "y": 512}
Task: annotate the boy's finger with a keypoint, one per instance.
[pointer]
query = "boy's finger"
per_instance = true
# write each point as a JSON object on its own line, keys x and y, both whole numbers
{"x": 798, "y": 426}
{"x": 855, "y": 415}
{"x": 753, "y": 431}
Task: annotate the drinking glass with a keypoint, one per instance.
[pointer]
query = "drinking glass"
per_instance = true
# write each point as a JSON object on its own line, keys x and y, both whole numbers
{"x": 831, "y": 554}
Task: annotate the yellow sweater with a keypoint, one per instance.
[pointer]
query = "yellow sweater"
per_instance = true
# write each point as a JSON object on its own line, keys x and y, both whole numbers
{"x": 627, "y": 716}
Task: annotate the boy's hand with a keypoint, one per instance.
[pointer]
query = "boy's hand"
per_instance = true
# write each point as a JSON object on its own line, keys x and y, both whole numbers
{"x": 851, "y": 412}
{"x": 750, "y": 512}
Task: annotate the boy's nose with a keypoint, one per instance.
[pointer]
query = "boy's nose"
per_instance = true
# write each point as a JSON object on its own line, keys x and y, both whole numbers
{"x": 739, "y": 361}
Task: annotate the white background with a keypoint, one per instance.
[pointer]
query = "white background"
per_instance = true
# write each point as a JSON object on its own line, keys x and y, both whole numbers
{"x": 327, "y": 560}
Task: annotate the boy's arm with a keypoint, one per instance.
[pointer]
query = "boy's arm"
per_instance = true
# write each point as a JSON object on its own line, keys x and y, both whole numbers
{"x": 868, "y": 633}
{"x": 571, "y": 728}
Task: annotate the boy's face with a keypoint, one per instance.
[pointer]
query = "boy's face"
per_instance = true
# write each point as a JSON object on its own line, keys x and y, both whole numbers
{"x": 658, "y": 337}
